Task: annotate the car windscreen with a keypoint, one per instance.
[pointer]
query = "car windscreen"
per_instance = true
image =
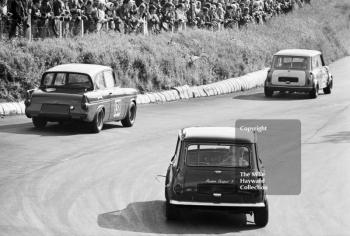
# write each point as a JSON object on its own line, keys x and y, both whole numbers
{"x": 290, "y": 62}
{"x": 66, "y": 81}
{"x": 218, "y": 155}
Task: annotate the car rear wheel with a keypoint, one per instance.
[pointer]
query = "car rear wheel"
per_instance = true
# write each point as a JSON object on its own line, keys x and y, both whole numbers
{"x": 97, "y": 123}
{"x": 268, "y": 92}
{"x": 314, "y": 92}
{"x": 261, "y": 215}
{"x": 129, "y": 120}
{"x": 39, "y": 123}
{"x": 171, "y": 211}
{"x": 328, "y": 89}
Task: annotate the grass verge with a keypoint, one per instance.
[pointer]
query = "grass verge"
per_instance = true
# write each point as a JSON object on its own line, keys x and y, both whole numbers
{"x": 194, "y": 57}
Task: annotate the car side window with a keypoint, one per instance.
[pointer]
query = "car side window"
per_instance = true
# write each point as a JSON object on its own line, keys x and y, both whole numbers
{"x": 48, "y": 79}
{"x": 109, "y": 79}
{"x": 60, "y": 79}
{"x": 99, "y": 82}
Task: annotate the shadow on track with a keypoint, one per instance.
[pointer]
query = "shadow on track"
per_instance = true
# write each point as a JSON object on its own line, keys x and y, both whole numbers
{"x": 148, "y": 217}
{"x": 275, "y": 97}
{"x": 54, "y": 129}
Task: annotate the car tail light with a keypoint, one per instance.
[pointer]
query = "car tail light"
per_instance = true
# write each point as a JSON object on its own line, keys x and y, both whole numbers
{"x": 310, "y": 79}
{"x": 178, "y": 189}
{"x": 28, "y": 97}
{"x": 84, "y": 103}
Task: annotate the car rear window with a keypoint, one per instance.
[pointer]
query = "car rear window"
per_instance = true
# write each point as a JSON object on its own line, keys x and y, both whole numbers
{"x": 218, "y": 155}
{"x": 289, "y": 62}
{"x": 66, "y": 80}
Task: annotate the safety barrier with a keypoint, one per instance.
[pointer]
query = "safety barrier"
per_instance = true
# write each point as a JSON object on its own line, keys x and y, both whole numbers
{"x": 246, "y": 82}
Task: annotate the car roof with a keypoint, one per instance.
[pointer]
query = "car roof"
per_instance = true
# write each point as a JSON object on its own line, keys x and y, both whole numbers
{"x": 298, "y": 52}
{"x": 217, "y": 134}
{"x": 90, "y": 69}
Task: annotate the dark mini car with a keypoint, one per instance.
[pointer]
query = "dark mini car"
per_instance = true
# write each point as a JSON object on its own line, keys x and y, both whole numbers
{"x": 83, "y": 92}
{"x": 216, "y": 168}
{"x": 298, "y": 70}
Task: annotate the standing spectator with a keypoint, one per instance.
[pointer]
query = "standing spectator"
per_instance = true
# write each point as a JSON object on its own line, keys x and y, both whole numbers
{"x": 45, "y": 11}
{"x": 57, "y": 9}
{"x": 257, "y": 13}
{"x": 153, "y": 20}
{"x": 168, "y": 18}
{"x": 123, "y": 12}
{"x": 180, "y": 17}
{"x": 101, "y": 17}
{"x": 3, "y": 17}
{"x": 36, "y": 18}
{"x": 65, "y": 18}
{"x": 214, "y": 17}
{"x": 245, "y": 18}
{"x": 110, "y": 15}
{"x": 221, "y": 15}
{"x": 19, "y": 11}
{"x": 192, "y": 15}
{"x": 89, "y": 22}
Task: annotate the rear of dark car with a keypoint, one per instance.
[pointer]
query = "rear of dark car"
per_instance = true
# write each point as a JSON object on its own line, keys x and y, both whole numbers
{"x": 216, "y": 175}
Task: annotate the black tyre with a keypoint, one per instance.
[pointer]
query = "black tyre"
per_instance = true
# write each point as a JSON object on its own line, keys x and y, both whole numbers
{"x": 328, "y": 89}
{"x": 129, "y": 120}
{"x": 261, "y": 215}
{"x": 171, "y": 211}
{"x": 314, "y": 93}
{"x": 268, "y": 92}
{"x": 39, "y": 123}
{"x": 97, "y": 123}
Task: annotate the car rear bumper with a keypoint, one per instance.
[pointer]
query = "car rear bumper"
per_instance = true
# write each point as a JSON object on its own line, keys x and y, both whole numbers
{"x": 303, "y": 89}
{"x": 212, "y": 204}
{"x": 57, "y": 117}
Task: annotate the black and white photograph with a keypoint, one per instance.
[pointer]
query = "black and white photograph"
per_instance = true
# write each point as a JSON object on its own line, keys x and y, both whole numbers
{"x": 174, "y": 117}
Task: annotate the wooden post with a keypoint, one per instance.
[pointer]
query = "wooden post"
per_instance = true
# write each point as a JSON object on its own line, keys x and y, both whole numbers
{"x": 145, "y": 27}
{"x": 82, "y": 27}
{"x": 30, "y": 36}
{"x": 60, "y": 29}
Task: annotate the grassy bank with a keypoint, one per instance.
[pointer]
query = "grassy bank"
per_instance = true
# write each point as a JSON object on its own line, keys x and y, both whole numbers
{"x": 195, "y": 57}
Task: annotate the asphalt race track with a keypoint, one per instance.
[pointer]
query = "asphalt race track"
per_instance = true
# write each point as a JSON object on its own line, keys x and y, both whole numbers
{"x": 66, "y": 181}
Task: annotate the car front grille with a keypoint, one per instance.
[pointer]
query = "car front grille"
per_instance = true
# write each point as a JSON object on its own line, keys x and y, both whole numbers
{"x": 216, "y": 188}
{"x": 288, "y": 79}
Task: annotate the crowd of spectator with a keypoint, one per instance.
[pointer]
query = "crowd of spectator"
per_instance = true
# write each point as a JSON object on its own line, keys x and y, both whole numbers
{"x": 57, "y": 18}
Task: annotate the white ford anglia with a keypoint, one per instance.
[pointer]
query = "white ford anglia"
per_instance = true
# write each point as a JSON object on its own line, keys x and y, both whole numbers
{"x": 298, "y": 70}
{"x": 82, "y": 92}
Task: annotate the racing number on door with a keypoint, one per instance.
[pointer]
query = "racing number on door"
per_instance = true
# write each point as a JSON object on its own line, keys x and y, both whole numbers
{"x": 117, "y": 108}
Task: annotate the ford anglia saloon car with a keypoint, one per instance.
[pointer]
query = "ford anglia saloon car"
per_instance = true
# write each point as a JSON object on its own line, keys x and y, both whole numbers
{"x": 83, "y": 92}
{"x": 216, "y": 168}
{"x": 298, "y": 70}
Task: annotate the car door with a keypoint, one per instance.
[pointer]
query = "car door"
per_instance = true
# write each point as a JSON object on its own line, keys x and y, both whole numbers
{"x": 324, "y": 73}
{"x": 103, "y": 94}
{"x": 116, "y": 96}
{"x": 317, "y": 70}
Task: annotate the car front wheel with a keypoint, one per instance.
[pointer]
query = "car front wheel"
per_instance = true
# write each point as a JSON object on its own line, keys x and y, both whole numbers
{"x": 328, "y": 89}
{"x": 268, "y": 92}
{"x": 129, "y": 120}
{"x": 261, "y": 215}
{"x": 39, "y": 123}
